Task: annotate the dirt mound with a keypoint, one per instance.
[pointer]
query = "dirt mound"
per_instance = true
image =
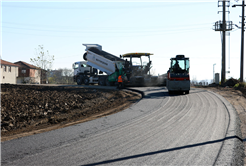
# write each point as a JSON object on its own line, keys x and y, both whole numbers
{"x": 231, "y": 82}
{"x": 243, "y": 90}
{"x": 30, "y": 107}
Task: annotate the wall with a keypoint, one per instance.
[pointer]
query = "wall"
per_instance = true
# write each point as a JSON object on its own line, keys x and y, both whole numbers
{"x": 1, "y": 73}
{"x": 31, "y": 76}
{"x": 9, "y": 76}
{"x": 32, "y": 73}
{"x": 26, "y": 72}
{"x": 37, "y": 76}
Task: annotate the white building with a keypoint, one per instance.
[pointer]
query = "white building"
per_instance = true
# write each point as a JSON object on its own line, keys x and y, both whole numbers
{"x": 9, "y": 72}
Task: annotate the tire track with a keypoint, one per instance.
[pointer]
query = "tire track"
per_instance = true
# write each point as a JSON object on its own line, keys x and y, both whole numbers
{"x": 174, "y": 130}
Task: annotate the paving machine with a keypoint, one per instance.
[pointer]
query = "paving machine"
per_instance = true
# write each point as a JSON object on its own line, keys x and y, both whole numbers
{"x": 178, "y": 75}
{"x": 137, "y": 71}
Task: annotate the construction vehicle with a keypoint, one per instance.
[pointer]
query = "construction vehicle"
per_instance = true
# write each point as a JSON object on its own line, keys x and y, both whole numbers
{"x": 99, "y": 67}
{"x": 84, "y": 74}
{"x": 178, "y": 75}
{"x": 137, "y": 71}
{"x": 104, "y": 68}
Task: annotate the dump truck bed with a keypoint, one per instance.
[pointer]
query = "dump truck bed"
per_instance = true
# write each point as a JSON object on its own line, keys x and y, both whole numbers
{"x": 102, "y": 60}
{"x": 105, "y": 54}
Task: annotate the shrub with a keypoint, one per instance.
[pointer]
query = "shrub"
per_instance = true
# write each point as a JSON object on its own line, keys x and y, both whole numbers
{"x": 236, "y": 85}
{"x": 240, "y": 85}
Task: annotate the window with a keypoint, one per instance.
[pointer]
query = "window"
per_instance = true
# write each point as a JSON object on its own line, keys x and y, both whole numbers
{"x": 9, "y": 68}
{"x": 4, "y": 68}
{"x": 180, "y": 65}
{"x": 23, "y": 71}
{"x": 83, "y": 65}
{"x": 75, "y": 66}
{"x": 187, "y": 64}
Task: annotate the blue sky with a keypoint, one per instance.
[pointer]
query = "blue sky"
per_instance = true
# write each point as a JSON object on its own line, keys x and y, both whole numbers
{"x": 164, "y": 28}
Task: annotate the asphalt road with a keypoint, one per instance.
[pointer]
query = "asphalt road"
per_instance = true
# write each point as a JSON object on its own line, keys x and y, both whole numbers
{"x": 200, "y": 128}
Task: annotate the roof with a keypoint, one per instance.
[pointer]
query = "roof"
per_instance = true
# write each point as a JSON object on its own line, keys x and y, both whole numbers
{"x": 26, "y": 65}
{"x": 138, "y": 55}
{"x": 180, "y": 57}
{"x": 3, "y": 62}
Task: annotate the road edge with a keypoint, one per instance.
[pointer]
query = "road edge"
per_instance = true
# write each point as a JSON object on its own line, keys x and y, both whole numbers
{"x": 96, "y": 116}
{"x": 232, "y": 150}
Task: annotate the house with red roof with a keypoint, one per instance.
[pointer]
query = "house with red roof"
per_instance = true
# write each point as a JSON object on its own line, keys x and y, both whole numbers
{"x": 29, "y": 73}
{"x": 9, "y": 72}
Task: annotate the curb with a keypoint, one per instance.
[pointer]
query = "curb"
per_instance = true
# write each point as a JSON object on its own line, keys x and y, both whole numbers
{"x": 232, "y": 149}
{"x": 138, "y": 91}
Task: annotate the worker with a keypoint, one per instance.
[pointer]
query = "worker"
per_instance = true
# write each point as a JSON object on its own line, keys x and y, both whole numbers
{"x": 177, "y": 67}
{"x": 120, "y": 82}
{"x": 127, "y": 64}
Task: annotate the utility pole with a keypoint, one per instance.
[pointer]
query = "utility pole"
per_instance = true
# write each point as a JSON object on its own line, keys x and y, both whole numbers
{"x": 223, "y": 72}
{"x": 242, "y": 41}
{"x": 223, "y": 26}
{"x": 213, "y": 72}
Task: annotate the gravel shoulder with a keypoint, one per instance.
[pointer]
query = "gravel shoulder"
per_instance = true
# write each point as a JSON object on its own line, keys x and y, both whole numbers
{"x": 238, "y": 99}
{"x": 33, "y": 109}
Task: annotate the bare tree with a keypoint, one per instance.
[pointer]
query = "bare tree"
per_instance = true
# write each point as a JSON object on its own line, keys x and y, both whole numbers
{"x": 194, "y": 80}
{"x": 68, "y": 75}
{"x": 43, "y": 60}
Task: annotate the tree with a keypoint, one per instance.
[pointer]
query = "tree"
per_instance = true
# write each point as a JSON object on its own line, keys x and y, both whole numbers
{"x": 194, "y": 80}
{"x": 43, "y": 60}
{"x": 61, "y": 76}
{"x": 68, "y": 75}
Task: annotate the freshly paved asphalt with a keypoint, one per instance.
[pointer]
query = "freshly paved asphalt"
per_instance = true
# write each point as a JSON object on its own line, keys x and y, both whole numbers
{"x": 200, "y": 128}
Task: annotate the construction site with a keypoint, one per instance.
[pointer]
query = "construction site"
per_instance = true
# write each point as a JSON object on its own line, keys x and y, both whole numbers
{"x": 147, "y": 92}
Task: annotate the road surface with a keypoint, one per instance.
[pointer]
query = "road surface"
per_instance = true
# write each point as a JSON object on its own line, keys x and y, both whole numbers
{"x": 195, "y": 129}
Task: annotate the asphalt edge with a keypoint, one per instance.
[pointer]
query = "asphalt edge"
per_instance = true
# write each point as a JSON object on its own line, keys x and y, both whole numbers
{"x": 135, "y": 90}
{"x": 232, "y": 150}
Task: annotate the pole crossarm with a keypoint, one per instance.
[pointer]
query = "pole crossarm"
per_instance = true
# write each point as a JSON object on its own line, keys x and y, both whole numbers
{"x": 218, "y": 26}
{"x": 237, "y": 5}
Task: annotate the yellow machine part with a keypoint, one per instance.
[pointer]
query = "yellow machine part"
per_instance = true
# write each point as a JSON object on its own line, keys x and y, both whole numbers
{"x": 136, "y": 54}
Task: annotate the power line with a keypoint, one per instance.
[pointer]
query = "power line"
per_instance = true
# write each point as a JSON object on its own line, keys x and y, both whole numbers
{"x": 128, "y": 6}
{"x": 100, "y": 27}
{"x": 100, "y": 31}
{"x": 103, "y": 31}
{"x": 111, "y": 35}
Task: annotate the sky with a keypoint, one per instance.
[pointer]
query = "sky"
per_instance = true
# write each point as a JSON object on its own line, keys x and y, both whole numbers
{"x": 164, "y": 28}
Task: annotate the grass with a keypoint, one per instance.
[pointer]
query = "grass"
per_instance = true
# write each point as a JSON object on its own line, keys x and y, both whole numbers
{"x": 240, "y": 85}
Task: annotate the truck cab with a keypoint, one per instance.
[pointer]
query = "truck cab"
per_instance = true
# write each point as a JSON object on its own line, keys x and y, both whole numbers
{"x": 83, "y": 73}
{"x": 178, "y": 75}
{"x": 81, "y": 67}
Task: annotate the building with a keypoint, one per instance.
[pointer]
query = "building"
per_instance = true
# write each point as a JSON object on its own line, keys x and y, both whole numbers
{"x": 9, "y": 72}
{"x": 29, "y": 73}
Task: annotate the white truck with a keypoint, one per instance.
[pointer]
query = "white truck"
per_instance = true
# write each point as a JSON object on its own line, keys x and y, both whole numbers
{"x": 99, "y": 67}
{"x": 81, "y": 72}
